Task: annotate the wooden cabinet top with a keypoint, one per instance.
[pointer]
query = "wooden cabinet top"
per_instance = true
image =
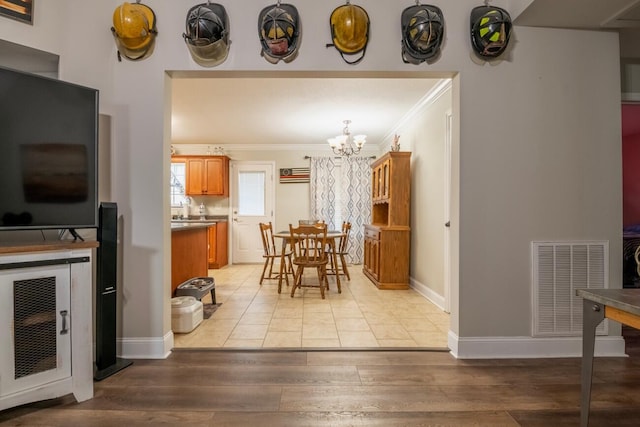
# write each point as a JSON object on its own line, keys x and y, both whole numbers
{"x": 45, "y": 245}
{"x": 392, "y": 155}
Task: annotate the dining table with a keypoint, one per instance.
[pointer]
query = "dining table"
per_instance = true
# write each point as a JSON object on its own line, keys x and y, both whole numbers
{"x": 620, "y": 305}
{"x": 332, "y": 236}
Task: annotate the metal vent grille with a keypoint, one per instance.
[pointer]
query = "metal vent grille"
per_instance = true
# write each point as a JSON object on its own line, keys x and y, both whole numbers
{"x": 559, "y": 269}
{"x": 35, "y": 326}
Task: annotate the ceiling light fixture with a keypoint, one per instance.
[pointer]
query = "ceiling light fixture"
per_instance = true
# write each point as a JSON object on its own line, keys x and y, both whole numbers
{"x": 346, "y": 145}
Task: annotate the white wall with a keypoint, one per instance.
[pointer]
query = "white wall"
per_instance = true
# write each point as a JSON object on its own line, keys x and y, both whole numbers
{"x": 540, "y": 159}
{"x": 424, "y": 135}
{"x": 538, "y": 148}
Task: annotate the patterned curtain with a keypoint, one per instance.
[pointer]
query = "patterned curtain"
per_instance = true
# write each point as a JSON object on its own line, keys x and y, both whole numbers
{"x": 355, "y": 174}
{"x": 323, "y": 176}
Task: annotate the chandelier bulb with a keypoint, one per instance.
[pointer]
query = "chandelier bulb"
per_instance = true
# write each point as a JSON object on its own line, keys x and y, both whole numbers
{"x": 345, "y": 145}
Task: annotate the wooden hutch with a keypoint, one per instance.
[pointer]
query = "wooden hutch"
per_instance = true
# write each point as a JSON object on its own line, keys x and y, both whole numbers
{"x": 387, "y": 239}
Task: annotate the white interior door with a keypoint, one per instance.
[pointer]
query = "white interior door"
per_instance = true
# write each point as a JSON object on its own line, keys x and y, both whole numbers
{"x": 252, "y": 202}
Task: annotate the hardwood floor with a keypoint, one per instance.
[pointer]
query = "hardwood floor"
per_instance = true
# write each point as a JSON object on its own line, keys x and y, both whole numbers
{"x": 346, "y": 388}
{"x": 343, "y": 387}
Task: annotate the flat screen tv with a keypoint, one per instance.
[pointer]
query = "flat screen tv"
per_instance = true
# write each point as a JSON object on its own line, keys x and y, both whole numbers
{"x": 48, "y": 153}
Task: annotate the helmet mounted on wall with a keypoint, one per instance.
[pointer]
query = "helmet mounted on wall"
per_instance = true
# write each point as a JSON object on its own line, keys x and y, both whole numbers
{"x": 207, "y": 34}
{"x": 422, "y": 33}
{"x": 279, "y": 31}
{"x": 490, "y": 30}
{"x": 134, "y": 30}
{"x": 349, "y": 31}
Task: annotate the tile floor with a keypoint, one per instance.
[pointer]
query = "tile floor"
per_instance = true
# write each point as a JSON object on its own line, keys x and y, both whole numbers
{"x": 256, "y": 316}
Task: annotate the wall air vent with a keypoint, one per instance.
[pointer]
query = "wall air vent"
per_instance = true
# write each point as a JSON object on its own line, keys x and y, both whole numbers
{"x": 559, "y": 269}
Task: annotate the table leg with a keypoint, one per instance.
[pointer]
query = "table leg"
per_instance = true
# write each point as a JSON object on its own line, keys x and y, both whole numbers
{"x": 592, "y": 315}
{"x": 335, "y": 263}
{"x": 282, "y": 265}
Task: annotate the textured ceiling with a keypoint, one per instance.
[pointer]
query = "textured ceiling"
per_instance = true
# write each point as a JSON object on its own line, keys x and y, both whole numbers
{"x": 584, "y": 14}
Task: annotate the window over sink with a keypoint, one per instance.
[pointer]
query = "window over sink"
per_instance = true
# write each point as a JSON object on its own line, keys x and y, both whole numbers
{"x": 178, "y": 183}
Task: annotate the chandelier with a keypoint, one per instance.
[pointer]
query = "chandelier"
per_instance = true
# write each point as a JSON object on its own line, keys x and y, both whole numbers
{"x": 346, "y": 145}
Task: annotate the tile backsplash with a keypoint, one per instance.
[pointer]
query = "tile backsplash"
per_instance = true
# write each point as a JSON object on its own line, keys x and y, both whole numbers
{"x": 213, "y": 206}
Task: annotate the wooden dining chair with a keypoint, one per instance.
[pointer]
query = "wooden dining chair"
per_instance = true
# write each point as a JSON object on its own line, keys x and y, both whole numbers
{"x": 270, "y": 254}
{"x": 341, "y": 251}
{"x": 311, "y": 222}
{"x": 308, "y": 243}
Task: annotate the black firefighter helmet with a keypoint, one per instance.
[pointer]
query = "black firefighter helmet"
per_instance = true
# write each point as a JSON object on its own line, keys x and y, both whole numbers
{"x": 279, "y": 31}
{"x": 422, "y": 33}
{"x": 207, "y": 34}
{"x": 490, "y": 30}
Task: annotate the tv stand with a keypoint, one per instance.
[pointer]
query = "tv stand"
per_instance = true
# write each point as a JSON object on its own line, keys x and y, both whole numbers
{"x": 63, "y": 270}
{"x": 75, "y": 234}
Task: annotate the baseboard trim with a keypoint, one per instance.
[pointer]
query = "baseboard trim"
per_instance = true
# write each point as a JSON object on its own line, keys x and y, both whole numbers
{"x": 528, "y": 347}
{"x": 146, "y": 348}
{"x": 428, "y": 293}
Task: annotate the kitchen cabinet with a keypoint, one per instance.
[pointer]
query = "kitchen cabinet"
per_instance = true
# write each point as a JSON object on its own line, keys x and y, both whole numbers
{"x": 207, "y": 175}
{"x": 387, "y": 243}
{"x": 218, "y": 245}
{"x": 189, "y": 254}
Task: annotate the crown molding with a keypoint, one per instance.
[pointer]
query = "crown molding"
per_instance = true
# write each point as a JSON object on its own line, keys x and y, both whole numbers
{"x": 426, "y": 101}
{"x": 201, "y": 149}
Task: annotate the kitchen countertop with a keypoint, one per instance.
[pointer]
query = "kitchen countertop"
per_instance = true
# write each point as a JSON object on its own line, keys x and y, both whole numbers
{"x": 176, "y": 226}
{"x": 195, "y": 222}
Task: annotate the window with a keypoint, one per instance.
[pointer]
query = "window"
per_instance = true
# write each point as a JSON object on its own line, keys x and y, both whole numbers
{"x": 251, "y": 188}
{"x": 178, "y": 182}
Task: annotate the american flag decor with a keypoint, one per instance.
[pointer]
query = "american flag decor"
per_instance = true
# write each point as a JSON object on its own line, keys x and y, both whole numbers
{"x": 294, "y": 175}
